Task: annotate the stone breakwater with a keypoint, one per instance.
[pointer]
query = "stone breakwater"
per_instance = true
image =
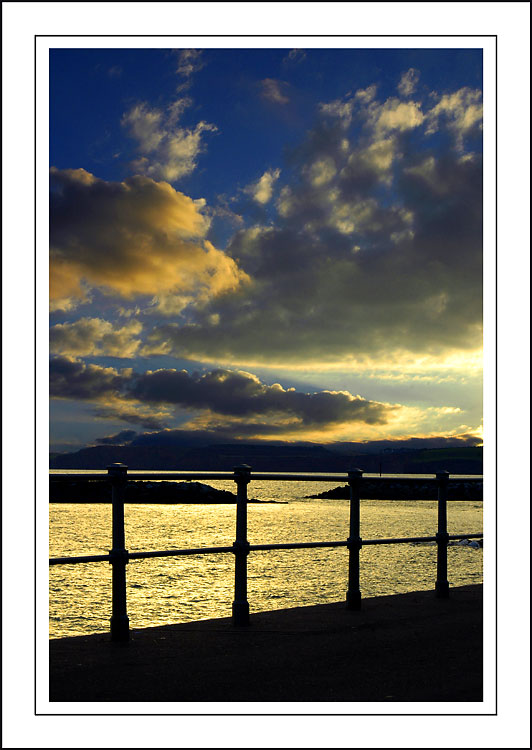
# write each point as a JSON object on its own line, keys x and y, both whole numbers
{"x": 141, "y": 492}
{"x": 406, "y": 489}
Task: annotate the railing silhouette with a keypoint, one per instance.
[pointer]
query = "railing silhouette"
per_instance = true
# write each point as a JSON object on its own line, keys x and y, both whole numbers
{"x": 117, "y": 475}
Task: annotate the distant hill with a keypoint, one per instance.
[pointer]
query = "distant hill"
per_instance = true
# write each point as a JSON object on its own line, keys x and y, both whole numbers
{"x": 163, "y": 458}
{"x": 209, "y": 458}
{"x": 266, "y": 457}
{"x": 454, "y": 460}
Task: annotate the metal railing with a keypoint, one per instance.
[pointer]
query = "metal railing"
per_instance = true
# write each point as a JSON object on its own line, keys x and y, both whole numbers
{"x": 117, "y": 475}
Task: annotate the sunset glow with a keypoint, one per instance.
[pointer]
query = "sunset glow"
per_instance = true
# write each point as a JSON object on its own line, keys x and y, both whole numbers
{"x": 265, "y": 244}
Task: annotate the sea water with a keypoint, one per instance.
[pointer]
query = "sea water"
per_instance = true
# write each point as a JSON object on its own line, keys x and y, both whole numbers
{"x": 181, "y": 589}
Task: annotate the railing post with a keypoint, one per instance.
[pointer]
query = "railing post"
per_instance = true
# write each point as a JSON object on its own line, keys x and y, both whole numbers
{"x": 241, "y": 547}
{"x": 354, "y": 543}
{"x": 442, "y": 537}
{"x": 118, "y": 555}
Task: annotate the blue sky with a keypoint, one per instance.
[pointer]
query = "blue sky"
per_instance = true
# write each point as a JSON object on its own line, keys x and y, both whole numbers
{"x": 266, "y": 244}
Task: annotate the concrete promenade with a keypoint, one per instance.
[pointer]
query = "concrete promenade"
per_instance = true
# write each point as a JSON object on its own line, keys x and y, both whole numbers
{"x": 407, "y": 647}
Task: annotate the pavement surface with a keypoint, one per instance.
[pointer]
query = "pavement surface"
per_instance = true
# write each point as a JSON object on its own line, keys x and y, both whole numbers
{"x": 407, "y": 647}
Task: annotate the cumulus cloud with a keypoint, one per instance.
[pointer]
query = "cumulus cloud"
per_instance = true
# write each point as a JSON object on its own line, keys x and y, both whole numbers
{"x": 89, "y": 337}
{"x": 138, "y": 414}
{"x": 370, "y": 163}
{"x": 137, "y": 237}
{"x": 223, "y": 397}
{"x": 74, "y": 379}
{"x": 321, "y": 171}
{"x": 344, "y": 109}
{"x": 408, "y": 83}
{"x": 461, "y": 112}
{"x": 376, "y": 252}
{"x": 167, "y": 151}
{"x": 238, "y": 393}
{"x": 383, "y": 118}
{"x": 395, "y": 115}
{"x": 190, "y": 61}
{"x": 274, "y": 91}
{"x": 294, "y": 57}
{"x": 262, "y": 190}
{"x": 103, "y": 388}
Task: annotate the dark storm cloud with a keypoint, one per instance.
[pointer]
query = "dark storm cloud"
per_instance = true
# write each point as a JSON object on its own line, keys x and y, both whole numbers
{"x": 236, "y": 395}
{"x": 73, "y": 378}
{"x": 239, "y": 394}
{"x": 141, "y": 417}
{"x": 103, "y": 387}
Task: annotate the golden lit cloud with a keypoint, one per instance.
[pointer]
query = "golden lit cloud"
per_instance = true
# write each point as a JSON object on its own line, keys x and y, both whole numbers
{"x": 396, "y": 115}
{"x": 343, "y": 109}
{"x": 137, "y": 237}
{"x": 90, "y": 337}
{"x": 262, "y": 190}
{"x": 190, "y": 61}
{"x": 167, "y": 151}
{"x": 408, "y": 83}
{"x": 321, "y": 172}
{"x": 461, "y": 112}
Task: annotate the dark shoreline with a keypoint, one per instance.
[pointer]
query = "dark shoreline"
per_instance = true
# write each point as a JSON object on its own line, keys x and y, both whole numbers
{"x": 144, "y": 493}
{"x": 405, "y": 489}
{"x": 189, "y": 492}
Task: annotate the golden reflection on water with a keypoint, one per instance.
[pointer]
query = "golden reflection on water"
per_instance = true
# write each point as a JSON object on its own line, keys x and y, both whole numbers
{"x": 181, "y": 589}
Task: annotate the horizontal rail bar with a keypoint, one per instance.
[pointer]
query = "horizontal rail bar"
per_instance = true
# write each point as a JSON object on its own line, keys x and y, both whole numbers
{"x": 82, "y": 559}
{"x": 255, "y": 476}
{"x": 399, "y": 540}
{"x": 117, "y": 477}
{"x": 252, "y": 548}
{"x": 143, "y": 476}
{"x": 408, "y": 480}
{"x": 104, "y": 477}
{"x": 189, "y": 476}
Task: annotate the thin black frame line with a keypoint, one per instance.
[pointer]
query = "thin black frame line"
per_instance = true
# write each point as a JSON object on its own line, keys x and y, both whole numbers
{"x": 266, "y": 36}
{"x": 488, "y": 36}
{"x": 496, "y": 385}
{"x": 35, "y": 374}
{"x": 224, "y": 714}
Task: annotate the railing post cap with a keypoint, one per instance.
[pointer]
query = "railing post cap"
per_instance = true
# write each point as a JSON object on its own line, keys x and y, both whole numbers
{"x": 242, "y": 469}
{"x": 117, "y": 468}
{"x": 442, "y": 475}
{"x": 355, "y": 473}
